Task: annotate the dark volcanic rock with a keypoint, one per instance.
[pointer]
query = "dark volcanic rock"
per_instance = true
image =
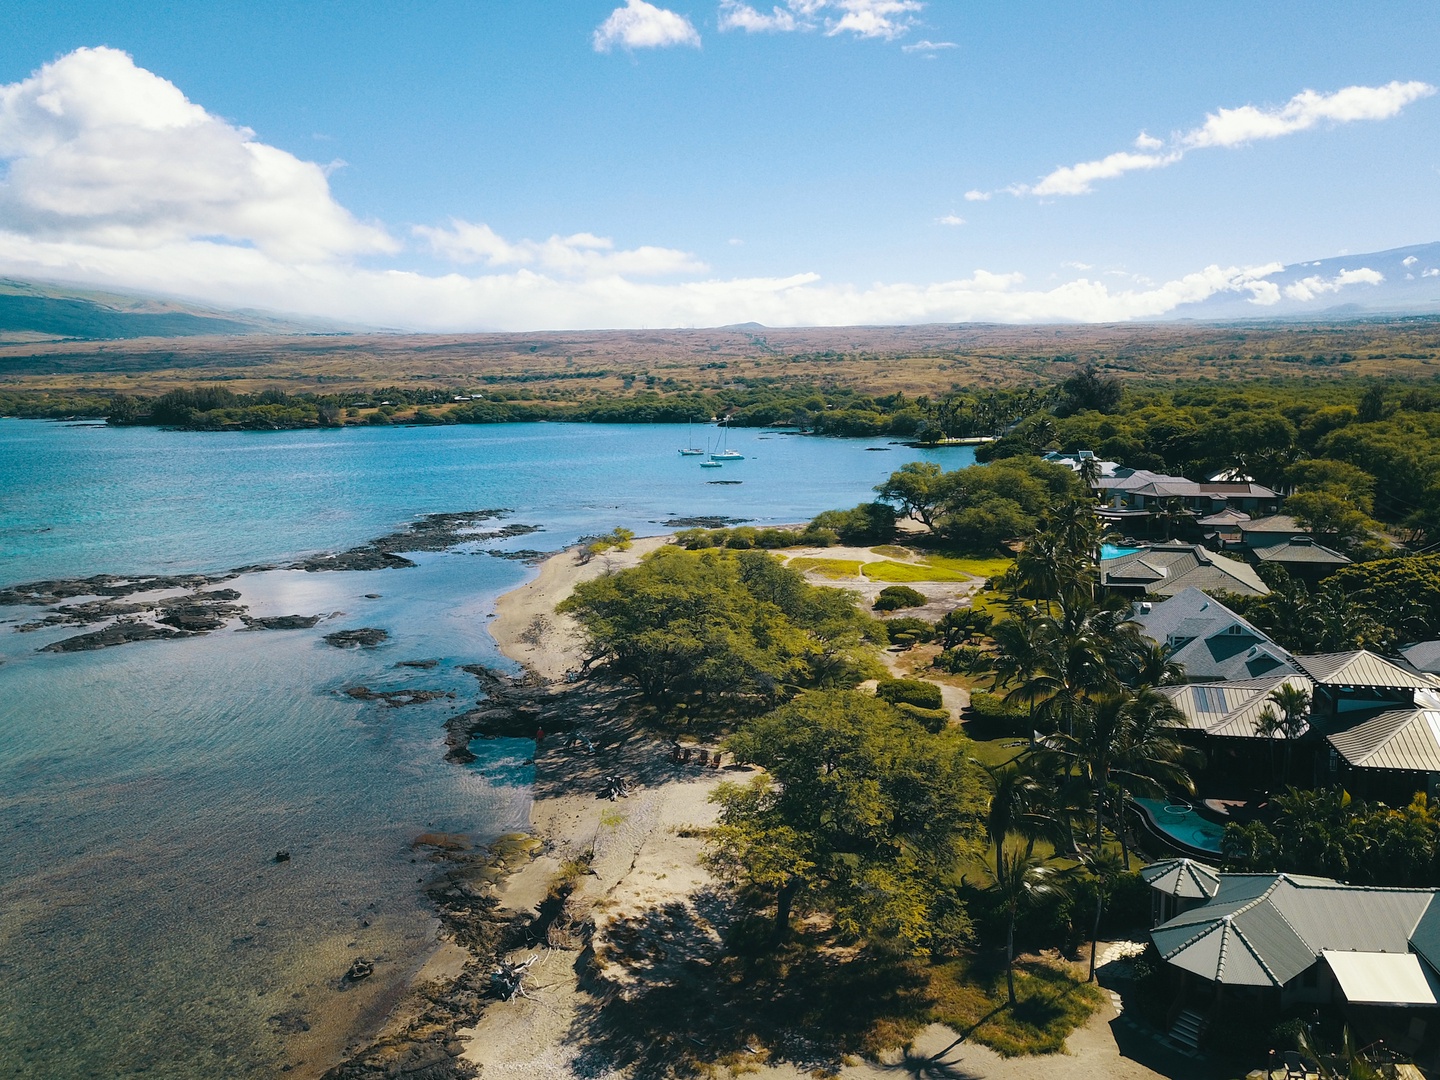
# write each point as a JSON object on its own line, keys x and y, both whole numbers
{"x": 396, "y": 698}
{"x": 280, "y": 622}
{"x": 365, "y": 637}
{"x": 119, "y": 634}
{"x": 425, "y": 664}
{"x": 41, "y": 593}
{"x": 702, "y": 522}
{"x": 361, "y": 558}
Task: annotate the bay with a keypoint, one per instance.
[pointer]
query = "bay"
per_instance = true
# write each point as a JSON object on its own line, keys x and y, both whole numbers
{"x": 145, "y": 929}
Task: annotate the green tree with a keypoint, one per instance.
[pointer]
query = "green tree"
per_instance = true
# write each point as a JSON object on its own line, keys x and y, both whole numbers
{"x": 861, "y": 810}
{"x": 1103, "y": 868}
{"x": 1022, "y": 883}
{"x": 918, "y": 490}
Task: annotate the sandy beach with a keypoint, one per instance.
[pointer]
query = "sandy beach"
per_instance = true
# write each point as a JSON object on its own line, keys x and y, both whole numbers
{"x": 644, "y": 913}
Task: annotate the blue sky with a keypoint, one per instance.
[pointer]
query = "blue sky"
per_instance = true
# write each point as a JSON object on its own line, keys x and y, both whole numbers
{"x": 499, "y": 165}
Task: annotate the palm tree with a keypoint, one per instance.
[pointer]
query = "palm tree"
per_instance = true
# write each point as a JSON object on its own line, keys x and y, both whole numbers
{"x": 1104, "y": 868}
{"x": 1294, "y": 703}
{"x": 1020, "y": 806}
{"x": 1024, "y": 881}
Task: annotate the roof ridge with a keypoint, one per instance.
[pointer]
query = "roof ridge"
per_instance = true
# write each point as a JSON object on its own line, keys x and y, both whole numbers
{"x": 1254, "y": 953}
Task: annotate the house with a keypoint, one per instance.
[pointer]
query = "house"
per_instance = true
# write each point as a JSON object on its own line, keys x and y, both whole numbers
{"x": 1177, "y": 885}
{"x": 1285, "y": 939}
{"x": 1423, "y": 656}
{"x": 1209, "y": 640}
{"x": 1171, "y": 568}
{"x": 1280, "y": 540}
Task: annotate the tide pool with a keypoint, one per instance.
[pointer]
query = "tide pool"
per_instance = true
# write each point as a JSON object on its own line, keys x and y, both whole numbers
{"x": 144, "y": 927}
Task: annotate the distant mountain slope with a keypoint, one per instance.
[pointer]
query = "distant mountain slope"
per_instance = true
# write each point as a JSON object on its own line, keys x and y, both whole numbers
{"x": 1402, "y": 281}
{"x": 31, "y": 312}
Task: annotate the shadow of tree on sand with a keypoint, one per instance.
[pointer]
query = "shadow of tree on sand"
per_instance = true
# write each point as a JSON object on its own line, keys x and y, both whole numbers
{"x": 678, "y": 986}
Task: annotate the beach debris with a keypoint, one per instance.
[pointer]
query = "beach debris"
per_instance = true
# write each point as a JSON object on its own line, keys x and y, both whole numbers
{"x": 615, "y": 788}
{"x": 283, "y": 855}
{"x": 507, "y": 981}
{"x": 360, "y": 969}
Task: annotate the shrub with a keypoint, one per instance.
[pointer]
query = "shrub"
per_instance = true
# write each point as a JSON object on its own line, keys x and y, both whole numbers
{"x": 925, "y": 695}
{"x": 909, "y": 631}
{"x": 964, "y": 660}
{"x": 932, "y": 720}
{"x": 895, "y": 597}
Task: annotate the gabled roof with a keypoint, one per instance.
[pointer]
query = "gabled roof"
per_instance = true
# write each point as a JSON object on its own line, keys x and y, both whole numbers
{"x": 1209, "y": 640}
{"x": 1182, "y": 877}
{"x": 1361, "y": 668}
{"x": 1167, "y": 569}
{"x": 1274, "y": 523}
{"x": 1407, "y": 739}
{"x": 1224, "y": 517}
{"x": 1264, "y": 929}
{"x": 1301, "y": 549}
{"x": 1232, "y": 710}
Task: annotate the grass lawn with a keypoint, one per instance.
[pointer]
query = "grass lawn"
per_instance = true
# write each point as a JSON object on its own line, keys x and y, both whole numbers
{"x": 901, "y": 572}
{"x": 830, "y": 568}
{"x": 1052, "y": 1001}
{"x": 977, "y": 566}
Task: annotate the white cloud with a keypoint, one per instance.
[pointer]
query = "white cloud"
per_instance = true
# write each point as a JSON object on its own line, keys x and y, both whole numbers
{"x": 1315, "y": 285}
{"x": 1077, "y": 179}
{"x": 639, "y": 25}
{"x": 884, "y": 19}
{"x": 950, "y": 219}
{"x": 737, "y": 16}
{"x": 579, "y": 255}
{"x": 1409, "y": 260}
{"x": 1230, "y": 128}
{"x": 1236, "y": 127}
{"x": 103, "y": 153}
{"x": 929, "y": 46}
{"x": 977, "y": 196}
{"x": 1077, "y": 266}
{"x": 1431, "y": 273}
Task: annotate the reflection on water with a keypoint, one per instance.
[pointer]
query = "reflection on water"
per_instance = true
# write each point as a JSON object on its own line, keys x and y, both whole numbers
{"x": 145, "y": 928}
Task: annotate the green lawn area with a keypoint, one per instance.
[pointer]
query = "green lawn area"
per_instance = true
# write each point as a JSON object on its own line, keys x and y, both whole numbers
{"x": 976, "y": 566}
{"x": 901, "y": 572}
{"x": 893, "y": 551}
{"x": 1052, "y": 1001}
{"x": 830, "y": 568}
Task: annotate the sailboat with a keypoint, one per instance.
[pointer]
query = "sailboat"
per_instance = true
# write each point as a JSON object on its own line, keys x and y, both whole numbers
{"x": 725, "y": 453}
{"x": 692, "y": 450}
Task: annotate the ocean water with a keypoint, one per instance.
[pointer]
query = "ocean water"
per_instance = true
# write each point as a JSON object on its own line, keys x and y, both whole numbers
{"x": 144, "y": 928}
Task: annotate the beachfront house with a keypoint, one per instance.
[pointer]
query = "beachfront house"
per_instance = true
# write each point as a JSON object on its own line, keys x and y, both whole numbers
{"x": 1267, "y": 942}
{"x": 1280, "y": 540}
{"x": 1207, "y": 639}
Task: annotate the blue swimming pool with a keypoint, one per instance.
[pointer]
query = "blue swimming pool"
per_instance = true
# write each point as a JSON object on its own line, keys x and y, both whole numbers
{"x": 1182, "y": 824}
{"x": 1115, "y": 551}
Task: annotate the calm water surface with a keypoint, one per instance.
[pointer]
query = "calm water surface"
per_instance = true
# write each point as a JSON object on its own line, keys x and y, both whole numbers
{"x": 144, "y": 929}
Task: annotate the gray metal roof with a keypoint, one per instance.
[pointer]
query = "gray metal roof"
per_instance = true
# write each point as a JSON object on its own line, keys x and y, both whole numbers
{"x": 1407, "y": 739}
{"x": 1209, "y": 640}
{"x": 1168, "y": 569}
{"x": 1182, "y": 877}
{"x": 1291, "y": 552}
{"x": 1232, "y": 710}
{"x": 1264, "y": 929}
{"x": 1361, "y": 668}
{"x": 1275, "y": 523}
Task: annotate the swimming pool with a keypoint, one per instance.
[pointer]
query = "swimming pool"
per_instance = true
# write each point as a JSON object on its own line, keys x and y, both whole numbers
{"x": 1183, "y": 825}
{"x": 1115, "y": 551}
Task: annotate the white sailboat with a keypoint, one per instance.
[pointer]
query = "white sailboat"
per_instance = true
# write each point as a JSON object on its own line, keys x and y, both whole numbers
{"x": 692, "y": 450}
{"x": 725, "y": 453}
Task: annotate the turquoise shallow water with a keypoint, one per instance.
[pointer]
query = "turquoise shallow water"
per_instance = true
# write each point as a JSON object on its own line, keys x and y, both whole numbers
{"x": 1187, "y": 826}
{"x": 143, "y": 929}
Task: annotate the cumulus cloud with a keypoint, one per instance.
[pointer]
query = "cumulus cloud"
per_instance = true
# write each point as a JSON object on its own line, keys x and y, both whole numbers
{"x": 1231, "y": 128}
{"x": 1310, "y": 287}
{"x": 884, "y": 19}
{"x": 951, "y": 219}
{"x": 578, "y": 255}
{"x": 977, "y": 196}
{"x": 639, "y": 25}
{"x": 1409, "y": 260}
{"x": 103, "y": 153}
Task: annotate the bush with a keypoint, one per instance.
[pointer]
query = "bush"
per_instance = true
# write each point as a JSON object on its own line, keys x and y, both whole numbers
{"x": 895, "y": 597}
{"x": 909, "y": 631}
{"x": 925, "y": 695}
{"x": 988, "y": 706}
{"x": 932, "y": 720}
{"x": 963, "y": 660}
{"x": 868, "y": 523}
